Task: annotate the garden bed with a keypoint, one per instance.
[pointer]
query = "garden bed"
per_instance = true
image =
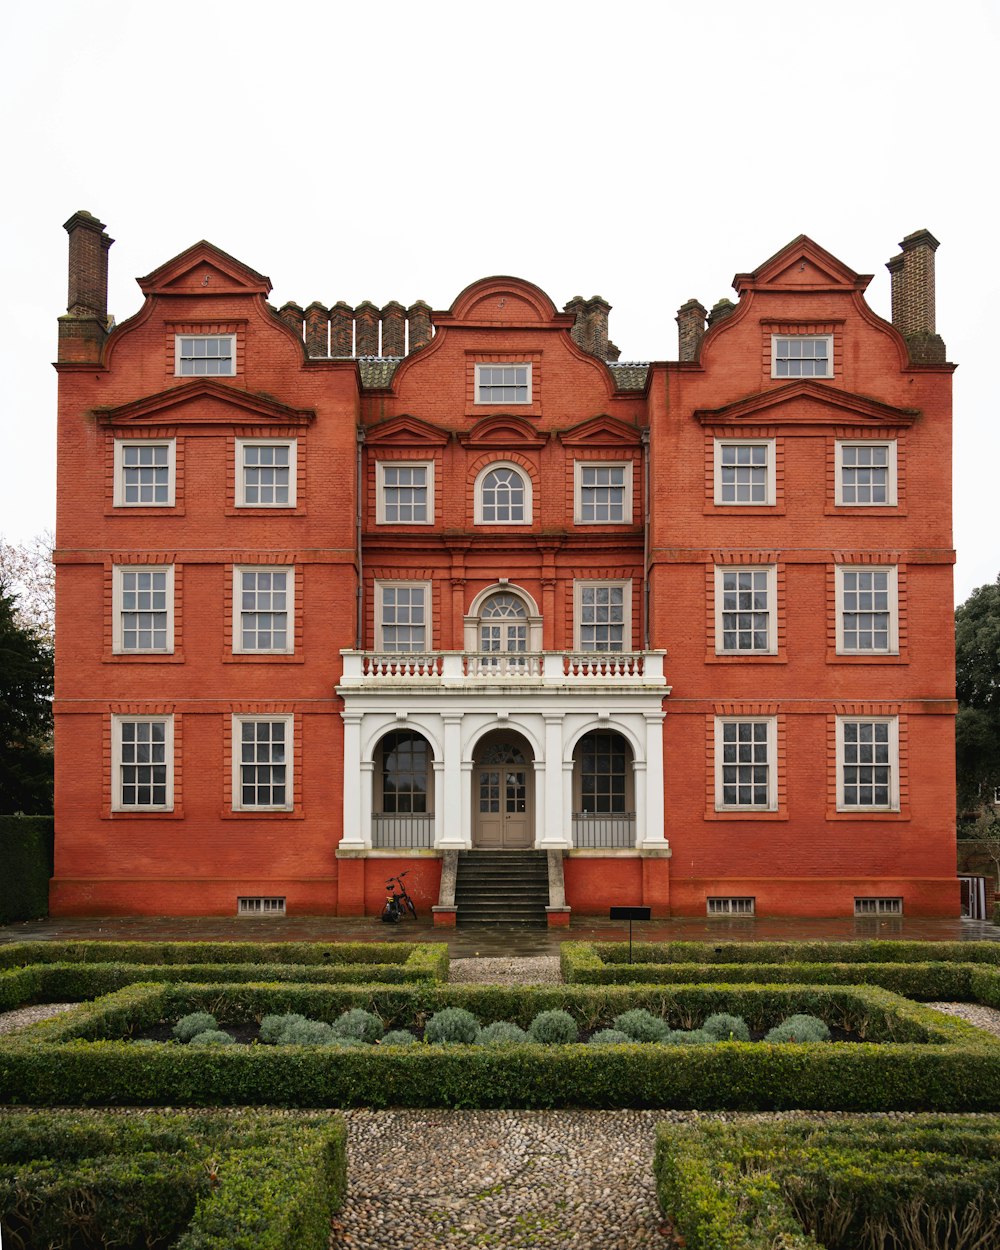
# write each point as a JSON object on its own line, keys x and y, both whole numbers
{"x": 912, "y": 1058}
{"x": 927, "y": 971}
{"x": 209, "y": 1181}
{"x": 843, "y": 1183}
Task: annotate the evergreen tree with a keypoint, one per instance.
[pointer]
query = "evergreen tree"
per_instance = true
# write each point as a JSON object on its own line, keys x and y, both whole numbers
{"x": 25, "y": 715}
{"x": 977, "y": 661}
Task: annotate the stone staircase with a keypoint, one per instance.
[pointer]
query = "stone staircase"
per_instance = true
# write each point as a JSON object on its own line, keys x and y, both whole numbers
{"x": 502, "y": 888}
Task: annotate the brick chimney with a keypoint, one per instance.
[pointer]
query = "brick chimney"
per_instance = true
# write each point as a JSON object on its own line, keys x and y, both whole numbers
{"x": 690, "y": 329}
{"x": 591, "y": 329}
{"x": 317, "y": 329}
{"x": 913, "y": 298}
{"x": 292, "y": 315}
{"x": 84, "y": 327}
{"x": 419, "y": 317}
{"x": 366, "y": 327}
{"x": 393, "y": 328}
{"x": 341, "y": 329}
{"x": 721, "y": 309}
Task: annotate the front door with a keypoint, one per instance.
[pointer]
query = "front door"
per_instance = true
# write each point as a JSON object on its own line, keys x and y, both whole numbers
{"x": 503, "y": 780}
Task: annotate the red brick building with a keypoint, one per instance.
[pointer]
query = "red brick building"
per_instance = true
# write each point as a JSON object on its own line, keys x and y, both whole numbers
{"x": 344, "y": 592}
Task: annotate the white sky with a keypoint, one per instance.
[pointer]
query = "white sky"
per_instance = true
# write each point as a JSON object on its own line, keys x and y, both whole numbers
{"x": 645, "y": 152}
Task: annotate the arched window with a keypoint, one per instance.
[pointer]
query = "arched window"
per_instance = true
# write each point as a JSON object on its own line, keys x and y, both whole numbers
{"x": 503, "y": 496}
{"x": 405, "y": 758}
{"x": 503, "y": 624}
{"x": 603, "y": 802}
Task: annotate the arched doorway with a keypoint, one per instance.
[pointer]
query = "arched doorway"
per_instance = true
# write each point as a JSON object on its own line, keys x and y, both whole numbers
{"x": 503, "y": 791}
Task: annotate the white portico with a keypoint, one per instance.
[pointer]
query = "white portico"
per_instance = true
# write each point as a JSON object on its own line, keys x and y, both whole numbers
{"x": 514, "y": 747}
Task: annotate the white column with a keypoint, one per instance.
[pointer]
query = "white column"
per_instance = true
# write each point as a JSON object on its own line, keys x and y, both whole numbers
{"x": 652, "y": 829}
{"x": 357, "y": 834}
{"x": 366, "y": 776}
{"x": 451, "y": 817}
{"x": 554, "y": 816}
{"x": 439, "y": 807}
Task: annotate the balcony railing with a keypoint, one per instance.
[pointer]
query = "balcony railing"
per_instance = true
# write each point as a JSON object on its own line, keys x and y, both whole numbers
{"x": 365, "y": 669}
{"x": 402, "y": 831}
{"x": 604, "y": 831}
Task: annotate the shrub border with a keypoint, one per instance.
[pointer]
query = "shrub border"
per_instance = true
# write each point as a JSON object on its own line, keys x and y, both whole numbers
{"x": 275, "y": 1190}
{"x": 957, "y": 1067}
{"x": 716, "y": 1203}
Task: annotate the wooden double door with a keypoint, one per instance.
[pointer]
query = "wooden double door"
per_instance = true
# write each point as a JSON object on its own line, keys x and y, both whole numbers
{"x": 503, "y": 781}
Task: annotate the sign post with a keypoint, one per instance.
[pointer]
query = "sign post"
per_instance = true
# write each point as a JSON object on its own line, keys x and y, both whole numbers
{"x": 630, "y": 914}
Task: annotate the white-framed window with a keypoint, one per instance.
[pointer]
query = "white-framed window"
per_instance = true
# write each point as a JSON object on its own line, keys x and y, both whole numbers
{"x": 402, "y": 616}
{"x": 503, "y": 384}
{"x": 263, "y": 609}
{"x": 503, "y": 495}
{"x": 744, "y": 471}
{"x": 204, "y": 355}
{"x": 142, "y": 754}
{"x": 603, "y": 493}
{"x": 802, "y": 356}
{"x": 867, "y": 610}
{"x": 866, "y": 474}
{"x": 745, "y": 610}
{"x": 145, "y": 472}
{"x": 405, "y": 493}
{"x": 262, "y": 763}
{"x": 867, "y": 764}
{"x": 602, "y": 614}
{"x": 142, "y": 605}
{"x": 266, "y": 472}
{"x": 745, "y": 764}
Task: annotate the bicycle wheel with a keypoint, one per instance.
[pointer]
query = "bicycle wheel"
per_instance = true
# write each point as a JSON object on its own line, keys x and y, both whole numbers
{"x": 391, "y": 912}
{"x": 409, "y": 906}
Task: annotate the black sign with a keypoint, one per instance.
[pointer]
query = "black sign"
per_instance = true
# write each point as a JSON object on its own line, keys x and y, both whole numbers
{"x": 630, "y": 913}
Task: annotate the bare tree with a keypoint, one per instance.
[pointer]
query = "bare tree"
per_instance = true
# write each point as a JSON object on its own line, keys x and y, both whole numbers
{"x": 26, "y": 571}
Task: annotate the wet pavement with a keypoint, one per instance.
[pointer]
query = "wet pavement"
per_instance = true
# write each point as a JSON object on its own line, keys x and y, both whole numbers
{"x": 501, "y": 940}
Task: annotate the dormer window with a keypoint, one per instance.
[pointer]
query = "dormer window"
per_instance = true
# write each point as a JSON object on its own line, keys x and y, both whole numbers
{"x": 204, "y": 355}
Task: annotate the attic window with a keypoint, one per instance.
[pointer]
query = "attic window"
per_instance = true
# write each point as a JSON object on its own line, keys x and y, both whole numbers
{"x": 204, "y": 355}
{"x": 503, "y": 384}
{"x": 802, "y": 356}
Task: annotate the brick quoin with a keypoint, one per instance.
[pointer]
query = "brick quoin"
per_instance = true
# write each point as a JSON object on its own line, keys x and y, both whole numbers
{"x": 315, "y": 378}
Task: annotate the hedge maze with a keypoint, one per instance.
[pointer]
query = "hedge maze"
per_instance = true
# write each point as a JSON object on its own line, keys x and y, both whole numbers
{"x": 825, "y": 1177}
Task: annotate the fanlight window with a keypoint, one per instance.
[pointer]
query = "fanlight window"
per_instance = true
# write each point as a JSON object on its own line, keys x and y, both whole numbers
{"x": 502, "y": 753}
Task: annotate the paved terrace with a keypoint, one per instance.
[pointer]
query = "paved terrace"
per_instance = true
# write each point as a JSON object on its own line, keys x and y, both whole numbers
{"x": 466, "y": 943}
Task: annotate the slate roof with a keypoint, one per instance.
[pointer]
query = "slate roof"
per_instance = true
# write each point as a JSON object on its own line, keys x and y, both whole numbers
{"x": 629, "y": 375}
{"x": 377, "y": 372}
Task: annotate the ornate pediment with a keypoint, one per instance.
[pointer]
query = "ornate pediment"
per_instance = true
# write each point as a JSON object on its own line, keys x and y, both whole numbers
{"x": 503, "y": 431}
{"x": 802, "y": 265}
{"x": 601, "y": 431}
{"x": 204, "y": 269}
{"x": 406, "y": 431}
{"x": 807, "y": 402}
{"x": 205, "y": 402}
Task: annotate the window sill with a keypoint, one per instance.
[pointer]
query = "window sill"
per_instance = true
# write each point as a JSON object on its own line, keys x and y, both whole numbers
{"x": 742, "y": 814}
{"x": 744, "y": 509}
{"x": 268, "y": 813}
{"x": 143, "y": 657}
{"x": 144, "y": 509}
{"x": 745, "y": 657}
{"x": 265, "y": 657}
{"x": 867, "y": 657}
{"x": 139, "y": 813}
{"x": 869, "y": 813}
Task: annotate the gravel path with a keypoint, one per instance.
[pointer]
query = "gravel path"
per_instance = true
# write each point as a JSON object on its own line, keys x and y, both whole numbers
{"x": 501, "y": 1179}
{"x": 11, "y": 1020}
{"x": 987, "y": 1018}
{"x": 495, "y": 970}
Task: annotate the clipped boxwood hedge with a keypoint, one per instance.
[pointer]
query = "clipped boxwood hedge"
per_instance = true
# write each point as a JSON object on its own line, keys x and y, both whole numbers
{"x": 976, "y": 979}
{"x": 919, "y": 1059}
{"x": 201, "y": 1182}
{"x": 806, "y": 1184}
{"x": 369, "y": 961}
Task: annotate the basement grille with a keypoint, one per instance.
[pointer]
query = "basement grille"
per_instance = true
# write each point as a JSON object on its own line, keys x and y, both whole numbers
{"x": 878, "y": 907}
{"x": 730, "y": 906}
{"x": 260, "y": 905}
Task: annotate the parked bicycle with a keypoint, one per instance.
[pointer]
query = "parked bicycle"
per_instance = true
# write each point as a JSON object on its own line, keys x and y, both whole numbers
{"x": 397, "y": 902}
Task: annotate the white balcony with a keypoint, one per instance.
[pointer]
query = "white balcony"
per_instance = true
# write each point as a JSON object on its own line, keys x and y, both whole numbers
{"x": 458, "y": 670}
